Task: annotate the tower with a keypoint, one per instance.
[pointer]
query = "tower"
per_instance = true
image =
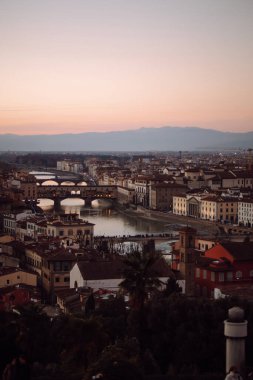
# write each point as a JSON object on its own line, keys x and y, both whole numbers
{"x": 249, "y": 164}
{"x": 187, "y": 258}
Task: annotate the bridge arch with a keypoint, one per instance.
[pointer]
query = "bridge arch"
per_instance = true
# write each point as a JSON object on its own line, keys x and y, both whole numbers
{"x": 49, "y": 182}
{"x": 82, "y": 183}
{"x": 68, "y": 183}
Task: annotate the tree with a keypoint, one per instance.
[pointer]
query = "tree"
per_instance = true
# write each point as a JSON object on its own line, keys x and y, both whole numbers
{"x": 171, "y": 287}
{"x": 140, "y": 276}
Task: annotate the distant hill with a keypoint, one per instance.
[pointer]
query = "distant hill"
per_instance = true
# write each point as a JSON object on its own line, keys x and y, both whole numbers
{"x": 143, "y": 139}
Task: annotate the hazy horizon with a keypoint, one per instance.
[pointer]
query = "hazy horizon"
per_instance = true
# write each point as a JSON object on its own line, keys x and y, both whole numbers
{"x": 120, "y": 130}
{"x": 97, "y": 66}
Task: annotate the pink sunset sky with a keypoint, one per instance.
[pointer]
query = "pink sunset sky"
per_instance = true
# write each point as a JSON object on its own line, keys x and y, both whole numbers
{"x": 102, "y": 65}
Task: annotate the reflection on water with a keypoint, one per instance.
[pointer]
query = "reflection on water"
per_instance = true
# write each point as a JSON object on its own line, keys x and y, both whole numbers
{"x": 72, "y": 202}
{"x": 109, "y": 222}
{"x": 46, "y": 204}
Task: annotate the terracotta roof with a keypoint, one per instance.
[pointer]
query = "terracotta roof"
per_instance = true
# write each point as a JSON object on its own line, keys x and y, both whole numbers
{"x": 95, "y": 270}
{"x": 33, "y": 289}
{"x": 241, "y": 251}
{"x": 169, "y": 185}
{"x": 213, "y": 265}
{"x": 8, "y": 270}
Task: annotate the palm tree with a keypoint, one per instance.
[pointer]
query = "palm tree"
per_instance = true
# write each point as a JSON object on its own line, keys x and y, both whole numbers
{"x": 140, "y": 276}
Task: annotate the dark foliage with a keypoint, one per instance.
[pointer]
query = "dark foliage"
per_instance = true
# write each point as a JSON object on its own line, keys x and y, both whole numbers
{"x": 180, "y": 338}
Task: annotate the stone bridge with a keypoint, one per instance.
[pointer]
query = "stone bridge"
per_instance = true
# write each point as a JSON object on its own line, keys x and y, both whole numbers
{"x": 89, "y": 193}
{"x": 61, "y": 181}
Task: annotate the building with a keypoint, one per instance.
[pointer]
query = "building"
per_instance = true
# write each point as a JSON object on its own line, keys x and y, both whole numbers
{"x": 179, "y": 204}
{"x": 70, "y": 226}
{"x": 187, "y": 205}
{"x": 245, "y": 212}
{"x": 18, "y": 295}
{"x": 227, "y": 264}
{"x": 161, "y": 195}
{"x": 55, "y": 271}
{"x": 205, "y": 206}
{"x": 32, "y": 227}
{"x": 183, "y": 259}
{"x": 14, "y": 276}
{"x": 107, "y": 274}
{"x": 125, "y": 195}
{"x": 218, "y": 208}
{"x": 96, "y": 274}
{"x": 10, "y": 221}
{"x": 73, "y": 300}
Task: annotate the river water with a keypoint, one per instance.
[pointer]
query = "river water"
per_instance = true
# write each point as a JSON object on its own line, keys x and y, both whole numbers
{"x": 108, "y": 221}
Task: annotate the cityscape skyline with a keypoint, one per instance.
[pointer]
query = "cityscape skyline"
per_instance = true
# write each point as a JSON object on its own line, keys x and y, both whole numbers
{"x": 115, "y": 65}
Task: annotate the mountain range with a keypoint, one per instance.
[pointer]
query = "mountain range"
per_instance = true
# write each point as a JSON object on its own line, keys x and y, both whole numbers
{"x": 143, "y": 139}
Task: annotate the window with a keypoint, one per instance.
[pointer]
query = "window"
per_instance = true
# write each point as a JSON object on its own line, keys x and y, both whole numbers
{"x": 212, "y": 276}
{"x": 59, "y": 266}
{"x": 204, "y": 274}
{"x": 197, "y": 272}
{"x": 221, "y": 277}
{"x": 65, "y": 266}
{"x": 7, "y": 281}
{"x": 70, "y": 232}
{"x": 238, "y": 274}
{"x": 61, "y": 233}
{"x": 66, "y": 279}
{"x": 57, "y": 279}
{"x": 229, "y": 276}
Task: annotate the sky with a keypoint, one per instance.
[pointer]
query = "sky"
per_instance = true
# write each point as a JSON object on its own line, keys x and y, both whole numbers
{"x": 71, "y": 66}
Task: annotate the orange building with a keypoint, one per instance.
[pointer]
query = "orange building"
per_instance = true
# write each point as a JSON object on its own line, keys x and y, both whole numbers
{"x": 227, "y": 264}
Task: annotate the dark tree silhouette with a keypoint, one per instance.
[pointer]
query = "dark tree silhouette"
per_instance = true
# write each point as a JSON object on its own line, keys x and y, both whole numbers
{"x": 140, "y": 277}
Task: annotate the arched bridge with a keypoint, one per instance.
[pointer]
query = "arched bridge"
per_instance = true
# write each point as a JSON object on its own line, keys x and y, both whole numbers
{"x": 61, "y": 181}
{"x": 60, "y": 192}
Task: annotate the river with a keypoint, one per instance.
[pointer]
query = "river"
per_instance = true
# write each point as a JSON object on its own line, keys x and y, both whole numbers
{"x": 108, "y": 220}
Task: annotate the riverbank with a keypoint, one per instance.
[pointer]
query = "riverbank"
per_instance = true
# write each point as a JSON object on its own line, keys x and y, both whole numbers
{"x": 173, "y": 221}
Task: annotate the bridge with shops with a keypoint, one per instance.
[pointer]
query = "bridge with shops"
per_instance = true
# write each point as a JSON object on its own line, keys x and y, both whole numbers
{"x": 61, "y": 191}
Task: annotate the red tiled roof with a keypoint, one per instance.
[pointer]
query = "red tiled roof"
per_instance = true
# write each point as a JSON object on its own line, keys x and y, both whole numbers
{"x": 113, "y": 269}
{"x": 239, "y": 251}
